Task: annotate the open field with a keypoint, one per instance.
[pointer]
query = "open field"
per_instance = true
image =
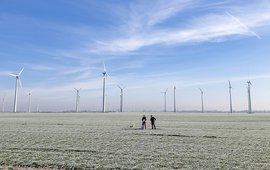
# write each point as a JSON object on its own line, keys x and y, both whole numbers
{"x": 106, "y": 141}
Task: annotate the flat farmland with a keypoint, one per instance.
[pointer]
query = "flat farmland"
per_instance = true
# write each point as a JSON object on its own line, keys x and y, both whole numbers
{"x": 115, "y": 141}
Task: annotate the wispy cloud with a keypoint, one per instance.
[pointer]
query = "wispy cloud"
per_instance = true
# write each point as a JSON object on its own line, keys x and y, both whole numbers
{"x": 207, "y": 27}
{"x": 145, "y": 16}
{"x": 243, "y": 25}
{"x": 39, "y": 67}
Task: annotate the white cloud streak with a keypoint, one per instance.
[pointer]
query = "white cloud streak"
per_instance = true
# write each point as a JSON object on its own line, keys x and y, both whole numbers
{"x": 144, "y": 31}
{"x": 145, "y": 16}
{"x": 243, "y": 25}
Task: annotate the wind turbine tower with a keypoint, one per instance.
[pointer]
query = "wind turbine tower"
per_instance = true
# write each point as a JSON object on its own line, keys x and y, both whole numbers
{"x": 105, "y": 74}
{"x": 121, "y": 97}
{"x": 202, "y": 98}
{"x": 174, "y": 99}
{"x": 29, "y": 101}
{"x": 165, "y": 99}
{"x": 77, "y": 99}
{"x": 249, "y": 97}
{"x": 18, "y": 81}
{"x": 230, "y": 93}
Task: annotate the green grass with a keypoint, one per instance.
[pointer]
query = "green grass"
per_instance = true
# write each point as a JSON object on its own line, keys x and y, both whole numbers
{"x": 106, "y": 141}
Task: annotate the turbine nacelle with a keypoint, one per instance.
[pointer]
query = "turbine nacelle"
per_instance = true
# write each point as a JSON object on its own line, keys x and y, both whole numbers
{"x": 78, "y": 90}
{"x": 104, "y": 73}
{"x": 249, "y": 84}
{"x": 120, "y": 87}
{"x": 14, "y": 75}
{"x": 165, "y": 92}
{"x": 30, "y": 93}
{"x": 230, "y": 86}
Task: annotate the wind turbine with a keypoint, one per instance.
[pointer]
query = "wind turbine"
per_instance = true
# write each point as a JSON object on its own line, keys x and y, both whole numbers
{"x": 121, "y": 97}
{"x": 29, "y": 101}
{"x": 18, "y": 81}
{"x": 38, "y": 108}
{"x": 104, "y": 73}
{"x": 201, "y": 98}
{"x": 3, "y": 104}
{"x": 77, "y": 99}
{"x": 249, "y": 97}
{"x": 230, "y": 93}
{"x": 165, "y": 98}
{"x": 174, "y": 99}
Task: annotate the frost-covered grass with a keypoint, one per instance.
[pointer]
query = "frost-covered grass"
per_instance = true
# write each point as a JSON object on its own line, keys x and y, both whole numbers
{"x": 106, "y": 141}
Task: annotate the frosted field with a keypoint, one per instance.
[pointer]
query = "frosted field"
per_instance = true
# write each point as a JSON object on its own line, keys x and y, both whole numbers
{"x": 106, "y": 141}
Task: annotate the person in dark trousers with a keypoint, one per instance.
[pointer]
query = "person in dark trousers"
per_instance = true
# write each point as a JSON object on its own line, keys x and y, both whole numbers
{"x": 143, "y": 122}
{"x": 153, "y": 119}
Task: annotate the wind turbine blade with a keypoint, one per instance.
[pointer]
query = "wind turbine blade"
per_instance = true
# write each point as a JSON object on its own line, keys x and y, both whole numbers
{"x": 14, "y": 75}
{"x": 166, "y": 90}
{"x": 20, "y": 72}
{"x": 108, "y": 75}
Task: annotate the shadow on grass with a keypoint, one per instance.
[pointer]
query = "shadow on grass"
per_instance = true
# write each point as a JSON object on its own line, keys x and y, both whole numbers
{"x": 51, "y": 150}
{"x": 181, "y": 136}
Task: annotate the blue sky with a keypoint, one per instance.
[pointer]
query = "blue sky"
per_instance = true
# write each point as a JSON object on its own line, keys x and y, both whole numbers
{"x": 147, "y": 46}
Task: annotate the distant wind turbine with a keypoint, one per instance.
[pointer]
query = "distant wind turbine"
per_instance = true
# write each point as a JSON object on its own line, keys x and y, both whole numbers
{"x": 249, "y": 97}
{"x": 37, "y": 107}
{"x": 165, "y": 99}
{"x": 174, "y": 99}
{"x": 230, "y": 93}
{"x": 105, "y": 74}
{"x": 121, "y": 97}
{"x": 201, "y": 98}
{"x": 3, "y": 104}
{"x": 18, "y": 81}
{"x": 29, "y": 101}
{"x": 77, "y": 99}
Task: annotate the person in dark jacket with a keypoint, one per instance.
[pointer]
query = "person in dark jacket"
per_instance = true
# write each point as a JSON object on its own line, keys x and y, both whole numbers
{"x": 143, "y": 122}
{"x": 153, "y": 120}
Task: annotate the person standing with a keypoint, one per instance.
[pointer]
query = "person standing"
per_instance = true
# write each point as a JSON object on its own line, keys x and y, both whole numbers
{"x": 143, "y": 122}
{"x": 153, "y": 120}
